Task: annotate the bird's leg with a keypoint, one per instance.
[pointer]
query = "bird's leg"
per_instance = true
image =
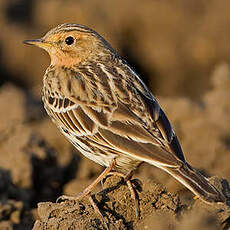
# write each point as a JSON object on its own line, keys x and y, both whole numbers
{"x": 127, "y": 178}
{"x": 87, "y": 192}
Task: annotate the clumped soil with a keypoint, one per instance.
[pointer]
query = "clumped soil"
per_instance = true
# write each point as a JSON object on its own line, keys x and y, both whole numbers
{"x": 181, "y": 50}
{"x": 37, "y": 165}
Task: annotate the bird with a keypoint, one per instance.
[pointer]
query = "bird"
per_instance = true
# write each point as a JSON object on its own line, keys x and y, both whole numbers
{"x": 101, "y": 105}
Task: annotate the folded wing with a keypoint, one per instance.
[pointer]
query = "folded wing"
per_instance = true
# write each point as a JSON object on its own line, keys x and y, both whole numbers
{"x": 130, "y": 124}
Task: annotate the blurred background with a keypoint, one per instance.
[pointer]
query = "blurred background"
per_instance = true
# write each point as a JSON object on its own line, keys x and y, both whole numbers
{"x": 174, "y": 45}
{"x": 180, "y": 49}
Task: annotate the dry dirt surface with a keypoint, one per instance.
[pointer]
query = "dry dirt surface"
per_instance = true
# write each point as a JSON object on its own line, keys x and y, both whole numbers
{"x": 158, "y": 208}
{"x": 181, "y": 50}
{"x": 37, "y": 165}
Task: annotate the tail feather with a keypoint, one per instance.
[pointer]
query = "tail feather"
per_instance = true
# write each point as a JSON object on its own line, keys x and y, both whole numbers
{"x": 196, "y": 182}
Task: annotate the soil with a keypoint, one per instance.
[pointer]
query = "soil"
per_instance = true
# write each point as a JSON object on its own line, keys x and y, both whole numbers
{"x": 187, "y": 65}
{"x": 37, "y": 165}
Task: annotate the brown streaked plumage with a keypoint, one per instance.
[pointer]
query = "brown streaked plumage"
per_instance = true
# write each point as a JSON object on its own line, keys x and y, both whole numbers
{"x": 104, "y": 109}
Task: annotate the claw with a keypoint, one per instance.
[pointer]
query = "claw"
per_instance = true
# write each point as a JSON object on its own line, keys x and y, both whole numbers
{"x": 87, "y": 193}
{"x": 61, "y": 199}
{"x": 96, "y": 209}
{"x": 104, "y": 179}
{"x": 132, "y": 190}
{"x": 64, "y": 197}
{"x": 134, "y": 197}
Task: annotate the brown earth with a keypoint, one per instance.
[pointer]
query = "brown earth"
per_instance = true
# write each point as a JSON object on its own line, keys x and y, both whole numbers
{"x": 37, "y": 165}
{"x": 182, "y": 51}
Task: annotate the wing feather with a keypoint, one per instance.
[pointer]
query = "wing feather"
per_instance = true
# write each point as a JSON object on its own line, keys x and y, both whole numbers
{"x": 159, "y": 119}
{"x": 84, "y": 120}
{"x": 97, "y": 115}
{"x": 77, "y": 126}
{"x": 168, "y": 133}
{"x": 130, "y": 124}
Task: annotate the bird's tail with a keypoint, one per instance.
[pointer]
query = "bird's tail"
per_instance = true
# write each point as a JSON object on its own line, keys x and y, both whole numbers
{"x": 196, "y": 182}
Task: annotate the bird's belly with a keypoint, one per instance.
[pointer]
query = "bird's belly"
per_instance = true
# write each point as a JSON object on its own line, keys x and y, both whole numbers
{"x": 96, "y": 156}
{"x": 102, "y": 156}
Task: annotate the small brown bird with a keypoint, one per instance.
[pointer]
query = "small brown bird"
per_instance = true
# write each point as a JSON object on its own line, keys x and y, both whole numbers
{"x": 106, "y": 111}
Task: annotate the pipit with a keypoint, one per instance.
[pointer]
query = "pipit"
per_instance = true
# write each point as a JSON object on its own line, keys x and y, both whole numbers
{"x": 106, "y": 111}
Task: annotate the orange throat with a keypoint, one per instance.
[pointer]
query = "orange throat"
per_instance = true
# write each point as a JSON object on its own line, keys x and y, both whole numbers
{"x": 61, "y": 59}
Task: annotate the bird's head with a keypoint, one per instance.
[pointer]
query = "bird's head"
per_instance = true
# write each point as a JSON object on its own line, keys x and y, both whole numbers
{"x": 72, "y": 44}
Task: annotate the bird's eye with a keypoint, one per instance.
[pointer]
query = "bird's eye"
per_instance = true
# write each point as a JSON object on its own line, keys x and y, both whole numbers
{"x": 69, "y": 40}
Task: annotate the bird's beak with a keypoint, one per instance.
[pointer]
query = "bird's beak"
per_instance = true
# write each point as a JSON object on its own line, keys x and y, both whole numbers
{"x": 38, "y": 42}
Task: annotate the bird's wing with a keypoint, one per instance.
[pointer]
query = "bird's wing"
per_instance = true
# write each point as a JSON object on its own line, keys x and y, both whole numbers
{"x": 159, "y": 119}
{"x": 138, "y": 99}
{"x": 118, "y": 116}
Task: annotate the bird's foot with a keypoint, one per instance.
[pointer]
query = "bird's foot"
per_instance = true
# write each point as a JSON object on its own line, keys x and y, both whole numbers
{"x": 87, "y": 193}
{"x": 127, "y": 179}
{"x": 65, "y": 197}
